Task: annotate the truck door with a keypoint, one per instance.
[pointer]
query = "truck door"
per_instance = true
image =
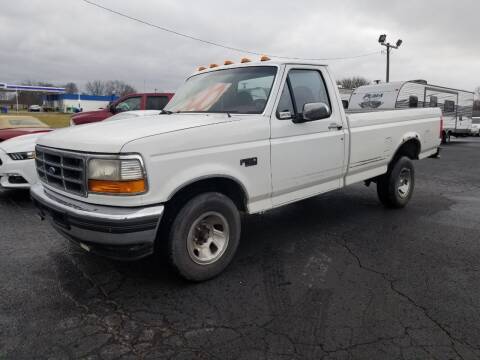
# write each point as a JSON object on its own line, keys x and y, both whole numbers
{"x": 307, "y": 158}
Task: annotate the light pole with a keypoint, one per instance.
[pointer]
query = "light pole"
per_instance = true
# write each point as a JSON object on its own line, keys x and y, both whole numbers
{"x": 389, "y": 46}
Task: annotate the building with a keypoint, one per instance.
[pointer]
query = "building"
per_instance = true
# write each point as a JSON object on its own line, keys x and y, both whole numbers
{"x": 76, "y": 102}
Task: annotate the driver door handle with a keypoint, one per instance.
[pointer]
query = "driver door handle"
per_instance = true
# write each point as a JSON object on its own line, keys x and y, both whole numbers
{"x": 335, "y": 126}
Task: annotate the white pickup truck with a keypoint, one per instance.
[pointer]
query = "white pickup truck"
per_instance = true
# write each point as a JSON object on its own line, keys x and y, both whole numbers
{"x": 237, "y": 138}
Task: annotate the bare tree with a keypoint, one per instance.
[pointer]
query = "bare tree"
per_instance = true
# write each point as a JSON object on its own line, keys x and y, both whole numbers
{"x": 71, "y": 88}
{"x": 353, "y": 82}
{"x": 95, "y": 87}
{"x": 117, "y": 87}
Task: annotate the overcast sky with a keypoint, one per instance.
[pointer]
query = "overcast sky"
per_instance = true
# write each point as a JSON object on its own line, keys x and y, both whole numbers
{"x": 68, "y": 40}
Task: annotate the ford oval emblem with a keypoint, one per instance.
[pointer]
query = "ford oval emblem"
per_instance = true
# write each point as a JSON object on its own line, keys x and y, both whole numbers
{"x": 52, "y": 170}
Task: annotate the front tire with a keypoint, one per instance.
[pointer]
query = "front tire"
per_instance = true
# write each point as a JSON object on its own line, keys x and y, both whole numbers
{"x": 395, "y": 188}
{"x": 204, "y": 236}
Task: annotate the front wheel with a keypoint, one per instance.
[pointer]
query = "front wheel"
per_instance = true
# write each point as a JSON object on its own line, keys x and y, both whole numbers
{"x": 395, "y": 188}
{"x": 204, "y": 236}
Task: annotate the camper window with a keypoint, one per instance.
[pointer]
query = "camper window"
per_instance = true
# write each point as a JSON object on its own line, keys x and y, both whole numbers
{"x": 433, "y": 101}
{"x": 413, "y": 101}
{"x": 449, "y": 106}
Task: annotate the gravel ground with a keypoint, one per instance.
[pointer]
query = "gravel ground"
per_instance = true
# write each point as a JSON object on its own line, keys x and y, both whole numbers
{"x": 333, "y": 277}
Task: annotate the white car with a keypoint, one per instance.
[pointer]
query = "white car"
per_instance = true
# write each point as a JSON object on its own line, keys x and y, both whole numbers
{"x": 17, "y": 162}
{"x": 475, "y": 131}
{"x": 35, "y": 108}
{"x": 239, "y": 138}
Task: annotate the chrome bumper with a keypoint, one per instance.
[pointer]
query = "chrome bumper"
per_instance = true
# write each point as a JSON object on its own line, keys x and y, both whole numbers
{"x": 115, "y": 232}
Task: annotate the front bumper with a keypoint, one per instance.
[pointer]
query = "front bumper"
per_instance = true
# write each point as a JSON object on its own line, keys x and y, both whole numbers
{"x": 12, "y": 170}
{"x": 115, "y": 232}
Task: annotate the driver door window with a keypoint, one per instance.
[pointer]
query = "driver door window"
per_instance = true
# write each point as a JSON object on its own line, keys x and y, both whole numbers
{"x": 302, "y": 87}
{"x": 129, "y": 104}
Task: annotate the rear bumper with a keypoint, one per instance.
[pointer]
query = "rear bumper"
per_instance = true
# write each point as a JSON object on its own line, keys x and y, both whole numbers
{"x": 115, "y": 232}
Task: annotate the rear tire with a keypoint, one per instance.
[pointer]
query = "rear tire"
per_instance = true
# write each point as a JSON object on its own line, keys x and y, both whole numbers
{"x": 446, "y": 138}
{"x": 395, "y": 188}
{"x": 204, "y": 236}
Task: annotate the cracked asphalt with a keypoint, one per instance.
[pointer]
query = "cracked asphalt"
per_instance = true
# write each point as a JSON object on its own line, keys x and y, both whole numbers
{"x": 332, "y": 277}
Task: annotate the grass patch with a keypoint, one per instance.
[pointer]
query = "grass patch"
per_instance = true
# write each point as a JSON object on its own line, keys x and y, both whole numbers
{"x": 52, "y": 119}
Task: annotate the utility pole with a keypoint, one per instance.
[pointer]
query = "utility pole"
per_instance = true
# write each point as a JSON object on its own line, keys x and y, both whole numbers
{"x": 389, "y": 46}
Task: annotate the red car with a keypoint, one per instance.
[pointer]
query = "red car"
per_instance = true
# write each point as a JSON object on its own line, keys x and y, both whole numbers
{"x": 146, "y": 101}
{"x": 16, "y": 125}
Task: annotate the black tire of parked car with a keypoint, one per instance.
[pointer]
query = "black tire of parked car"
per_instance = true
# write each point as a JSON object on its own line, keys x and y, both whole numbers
{"x": 395, "y": 188}
{"x": 214, "y": 208}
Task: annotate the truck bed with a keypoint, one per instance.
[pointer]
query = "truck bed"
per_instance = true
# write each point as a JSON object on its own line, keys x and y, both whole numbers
{"x": 375, "y": 136}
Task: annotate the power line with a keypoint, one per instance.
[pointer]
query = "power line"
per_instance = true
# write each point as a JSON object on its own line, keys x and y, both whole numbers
{"x": 208, "y": 42}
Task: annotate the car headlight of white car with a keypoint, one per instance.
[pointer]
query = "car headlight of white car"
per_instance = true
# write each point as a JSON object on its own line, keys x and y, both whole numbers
{"x": 121, "y": 176}
{"x": 22, "y": 155}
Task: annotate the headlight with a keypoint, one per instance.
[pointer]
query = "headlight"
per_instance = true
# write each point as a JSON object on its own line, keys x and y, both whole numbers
{"x": 117, "y": 176}
{"x": 22, "y": 155}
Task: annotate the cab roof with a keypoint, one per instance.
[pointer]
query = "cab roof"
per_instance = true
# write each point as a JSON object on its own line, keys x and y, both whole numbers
{"x": 259, "y": 63}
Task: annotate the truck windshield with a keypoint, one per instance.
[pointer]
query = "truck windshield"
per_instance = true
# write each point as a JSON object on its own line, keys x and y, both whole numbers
{"x": 237, "y": 90}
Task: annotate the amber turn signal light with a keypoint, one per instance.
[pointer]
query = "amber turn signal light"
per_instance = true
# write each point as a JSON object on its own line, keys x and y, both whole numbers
{"x": 117, "y": 187}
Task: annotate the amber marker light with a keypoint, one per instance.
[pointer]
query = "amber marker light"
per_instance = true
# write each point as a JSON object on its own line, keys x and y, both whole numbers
{"x": 117, "y": 187}
{"x": 213, "y": 66}
{"x": 264, "y": 58}
{"x": 245, "y": 60}
{"x": 201, "y": 68}
{"x": 228, "y": 62}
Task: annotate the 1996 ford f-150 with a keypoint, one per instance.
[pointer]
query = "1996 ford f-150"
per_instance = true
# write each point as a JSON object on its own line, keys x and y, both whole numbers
{"x": 235, "y": 138}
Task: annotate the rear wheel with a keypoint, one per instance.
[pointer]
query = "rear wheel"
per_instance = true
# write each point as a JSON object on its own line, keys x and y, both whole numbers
{"x": 395, "y": 188}
{"x": 446, "y": 138}
{"x": 204, "y": 236}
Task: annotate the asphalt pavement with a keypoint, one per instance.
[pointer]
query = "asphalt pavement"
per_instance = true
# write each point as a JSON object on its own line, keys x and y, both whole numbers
{"x": 332, "y": 277}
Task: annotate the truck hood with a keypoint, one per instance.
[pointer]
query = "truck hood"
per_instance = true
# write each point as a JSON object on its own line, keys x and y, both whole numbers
{"x": 111, "y": 136}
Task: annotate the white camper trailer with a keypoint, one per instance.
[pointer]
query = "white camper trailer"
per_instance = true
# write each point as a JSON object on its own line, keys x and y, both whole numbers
{"x": 456, "y": 105}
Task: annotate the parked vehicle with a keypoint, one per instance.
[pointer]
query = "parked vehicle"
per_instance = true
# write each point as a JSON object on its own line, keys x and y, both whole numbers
{"x": 235, "y": 139}
{"x": 35, "y": 108}
{"x": 147, "y": 101}
{"x": 475, "y": 126}
{"x": 456, "y": 105}
{"x": 16, "y": 125}
{"x": 17, "y": 162}
{"x": 17, "y": 155}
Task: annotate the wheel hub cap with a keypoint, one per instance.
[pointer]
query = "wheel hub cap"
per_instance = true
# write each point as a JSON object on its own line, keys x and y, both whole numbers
{"x": 404, "y": 183}
{"x": 208, "y": 238}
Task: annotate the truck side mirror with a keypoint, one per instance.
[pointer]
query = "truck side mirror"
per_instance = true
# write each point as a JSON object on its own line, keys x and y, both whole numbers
{"x": 314, "y": 111}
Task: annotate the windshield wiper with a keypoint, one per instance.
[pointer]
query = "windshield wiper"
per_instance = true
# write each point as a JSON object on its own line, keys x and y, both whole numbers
{"x": 166, "y": 112}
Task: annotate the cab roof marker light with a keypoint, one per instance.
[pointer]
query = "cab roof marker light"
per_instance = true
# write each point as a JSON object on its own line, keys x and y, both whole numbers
{"x": 245, "y": 60}
{"x": 213, "y": 66}
{"x": 228, "y": 62}
{"x": 264, "y": 58}
{"x": 201, "y": 68}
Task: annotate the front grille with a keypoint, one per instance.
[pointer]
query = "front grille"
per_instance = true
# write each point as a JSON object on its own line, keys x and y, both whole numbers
{"x": 61, "y": 169}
